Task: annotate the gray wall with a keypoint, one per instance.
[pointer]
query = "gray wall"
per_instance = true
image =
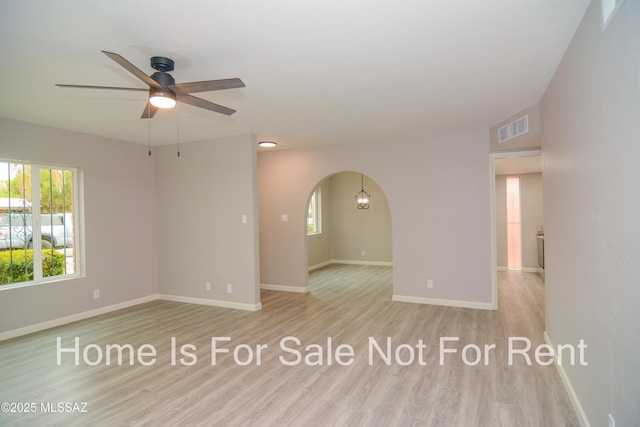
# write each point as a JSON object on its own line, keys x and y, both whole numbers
{"x": 202, "y": 196}
{"x": 531, "y": 217}
{"x": 591, "y": 146}
{"x": 438, "y": 194}
{"x": 145, "y": 232}
{"x": 355, "y": 230}
{"x": 120, "y": 226}
{"x": 347, "y": 231}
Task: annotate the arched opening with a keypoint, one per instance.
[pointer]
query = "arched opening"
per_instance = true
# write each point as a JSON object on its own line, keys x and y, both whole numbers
{"x": 343, "y": 238}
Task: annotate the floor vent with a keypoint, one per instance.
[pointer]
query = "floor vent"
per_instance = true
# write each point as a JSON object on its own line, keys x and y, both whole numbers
{"x": 513, "y": 129}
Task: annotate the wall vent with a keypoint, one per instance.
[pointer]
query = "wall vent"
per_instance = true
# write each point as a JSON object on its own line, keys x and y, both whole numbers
{"x": 513, "y": 129}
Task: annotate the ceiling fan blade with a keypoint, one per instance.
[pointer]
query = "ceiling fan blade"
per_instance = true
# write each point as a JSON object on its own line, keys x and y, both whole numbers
{"x": 103, "y": 87}
{"x": 199, "y": 102}
{"x": 206, "y": 86}
{"x": 149, "y": 111}
{"x": 133, "y": 69}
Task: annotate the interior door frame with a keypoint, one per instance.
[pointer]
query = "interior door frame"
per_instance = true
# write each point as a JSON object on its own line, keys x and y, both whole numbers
{"x": 494, "y": 225}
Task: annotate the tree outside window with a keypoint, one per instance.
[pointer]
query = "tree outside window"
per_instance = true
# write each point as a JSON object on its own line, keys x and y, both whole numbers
{"x": 38, "y": 238}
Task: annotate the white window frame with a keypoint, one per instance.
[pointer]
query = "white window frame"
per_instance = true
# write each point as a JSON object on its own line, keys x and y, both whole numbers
{"x": 77, "y": 218}
{"x": 316, "y": 199}
{"x": 608, "y": 9}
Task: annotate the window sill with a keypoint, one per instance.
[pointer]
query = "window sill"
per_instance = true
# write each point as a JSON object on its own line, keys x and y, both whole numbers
{"x": 41, "y": 282}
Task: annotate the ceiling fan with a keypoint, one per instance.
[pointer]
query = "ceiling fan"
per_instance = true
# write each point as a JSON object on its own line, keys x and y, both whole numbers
{"x": 163, "y": 89}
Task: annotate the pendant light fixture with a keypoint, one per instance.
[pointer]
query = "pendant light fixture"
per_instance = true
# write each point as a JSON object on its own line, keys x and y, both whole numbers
{"x": 362, "y": 198}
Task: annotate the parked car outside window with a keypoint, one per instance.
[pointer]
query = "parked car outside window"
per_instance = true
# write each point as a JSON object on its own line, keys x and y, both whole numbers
{"x": 16, "y": 231}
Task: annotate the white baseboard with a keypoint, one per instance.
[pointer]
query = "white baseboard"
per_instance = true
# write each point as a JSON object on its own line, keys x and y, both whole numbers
{"x": 523, "y": 269}
{"x": 320, "y": 265}
{"x": 284, "y": 288}
{"x": 103, "y": 310}
{"x": 211, "y": 302}
{"x": 73, "y": 318}
{"x": 349, "y": 262}
{"x": 356, "y": 262}
{"x": 582, "y": 417}
{"x": 444, "y": 302}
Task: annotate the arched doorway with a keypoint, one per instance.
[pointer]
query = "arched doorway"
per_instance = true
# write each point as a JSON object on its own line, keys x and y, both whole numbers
{"x": 340, "y": 234}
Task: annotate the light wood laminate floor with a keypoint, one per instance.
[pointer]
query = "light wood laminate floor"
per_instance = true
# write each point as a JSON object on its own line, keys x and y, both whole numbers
{"x": 350, "y": 304}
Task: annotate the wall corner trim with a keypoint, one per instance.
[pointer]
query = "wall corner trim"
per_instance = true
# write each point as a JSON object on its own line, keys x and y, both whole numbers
{"x": 14, "y": 333}
{"x": 582, "y": 417}
{"x": 350, "y": 262}
{"x": 211, "y": 302}
{"x": 444, "y": 302}
{"x": 37, "y": 327}
{"x": 285, "y": 288}
{"x": 320, "y": 265}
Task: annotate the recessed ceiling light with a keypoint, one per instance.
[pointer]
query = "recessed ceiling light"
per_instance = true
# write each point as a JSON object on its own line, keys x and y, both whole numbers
{"x": 267, "y": 144}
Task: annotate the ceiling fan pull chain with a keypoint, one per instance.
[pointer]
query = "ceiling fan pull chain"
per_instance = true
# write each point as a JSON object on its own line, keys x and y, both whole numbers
{"x": 149, "y": 129}
{"x": 178, "y": 129}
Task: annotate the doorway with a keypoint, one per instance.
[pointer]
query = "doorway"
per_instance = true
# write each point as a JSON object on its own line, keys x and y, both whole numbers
{"x": 342, "y": 232}
{"x": 517, "y": 215}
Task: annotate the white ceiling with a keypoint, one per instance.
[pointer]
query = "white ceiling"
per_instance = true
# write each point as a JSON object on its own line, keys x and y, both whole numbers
{"x": 317, "y": 72}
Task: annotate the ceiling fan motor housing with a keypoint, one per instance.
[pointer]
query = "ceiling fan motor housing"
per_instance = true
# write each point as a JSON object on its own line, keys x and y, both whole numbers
{"x": 161, "y": 63}
{"x": 165, "y": 79}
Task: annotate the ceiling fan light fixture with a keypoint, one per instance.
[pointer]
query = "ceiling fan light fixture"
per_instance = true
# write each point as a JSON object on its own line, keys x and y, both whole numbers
{"x": 162, "y": 98}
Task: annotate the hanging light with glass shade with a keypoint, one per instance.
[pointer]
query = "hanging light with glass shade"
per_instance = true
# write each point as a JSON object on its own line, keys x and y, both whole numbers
{"x": 363, "y": 198}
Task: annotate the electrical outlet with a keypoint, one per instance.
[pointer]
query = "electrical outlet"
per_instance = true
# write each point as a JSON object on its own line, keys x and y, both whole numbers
{"x": 243, "y": 219}
{"x": 430, "y": 283}
{"x": 229, "y": 288}
{"x": 96, "y": 293}
{"x": 207, "y": 286}
{"x": 364, "y": 252}
{"x": 612, "y": 422}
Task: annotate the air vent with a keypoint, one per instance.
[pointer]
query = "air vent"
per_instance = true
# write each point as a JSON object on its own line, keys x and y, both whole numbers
{"x": 513, "y": 129}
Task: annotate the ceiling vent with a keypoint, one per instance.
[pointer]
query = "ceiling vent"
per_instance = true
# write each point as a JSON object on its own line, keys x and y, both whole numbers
{"x": 513, "y": 129}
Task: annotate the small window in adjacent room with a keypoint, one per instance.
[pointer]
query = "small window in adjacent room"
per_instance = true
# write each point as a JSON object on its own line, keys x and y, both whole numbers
{"x": 609, "y": 10}
{"x": 514, "y": 228}
{"x": 313, "y": 215}
{"x": 38, "y": 223}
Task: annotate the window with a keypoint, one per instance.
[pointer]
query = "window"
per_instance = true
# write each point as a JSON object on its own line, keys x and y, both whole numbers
{"x": 313, "y": 215}
{"x": 514, "y": 229}
{"x": 609, "y": 8}
{"x": 38, "y": 223}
